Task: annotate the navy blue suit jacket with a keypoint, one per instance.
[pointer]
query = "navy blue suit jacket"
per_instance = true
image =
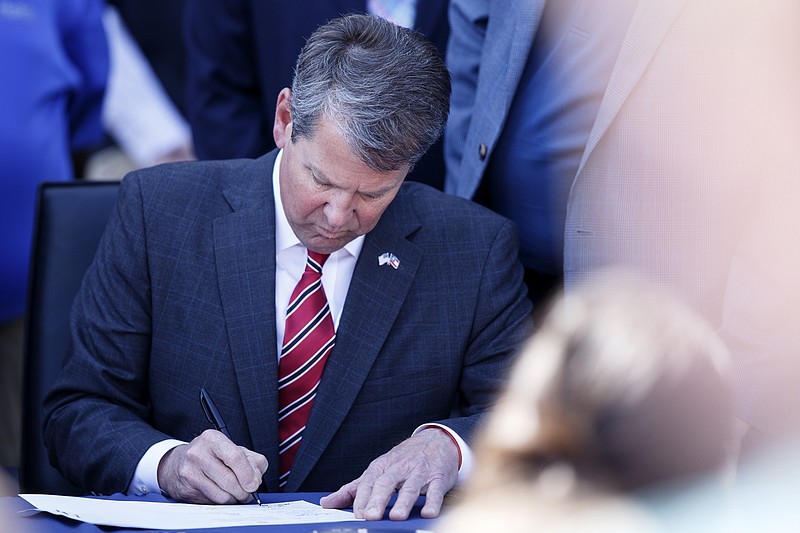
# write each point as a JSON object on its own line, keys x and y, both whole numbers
{"x": 181, "y": 296}
{"x": 241, "y": 53}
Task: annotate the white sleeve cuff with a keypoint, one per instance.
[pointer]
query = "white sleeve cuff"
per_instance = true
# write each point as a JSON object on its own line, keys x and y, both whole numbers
{"x": 145, "y": 478}
{"x": 467, "y": 457}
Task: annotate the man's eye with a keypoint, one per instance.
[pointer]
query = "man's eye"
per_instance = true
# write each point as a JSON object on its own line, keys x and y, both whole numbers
{"x": 317, "y": 183}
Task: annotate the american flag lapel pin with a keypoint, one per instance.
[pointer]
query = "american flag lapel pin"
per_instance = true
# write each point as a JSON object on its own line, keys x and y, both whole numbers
{"x": 390, "y": 259}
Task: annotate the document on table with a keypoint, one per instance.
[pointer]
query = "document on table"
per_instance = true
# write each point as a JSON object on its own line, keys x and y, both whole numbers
{"x": 158, "y": 515}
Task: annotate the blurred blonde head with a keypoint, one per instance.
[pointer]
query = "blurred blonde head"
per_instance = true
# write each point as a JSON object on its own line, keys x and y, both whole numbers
{"x": 620, "y": 389}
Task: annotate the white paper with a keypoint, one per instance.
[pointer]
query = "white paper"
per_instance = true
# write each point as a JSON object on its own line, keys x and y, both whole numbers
{"x": 157, "y": 515}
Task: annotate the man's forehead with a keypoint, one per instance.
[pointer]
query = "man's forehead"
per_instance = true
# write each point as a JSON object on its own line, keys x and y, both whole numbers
{"x": 333, "y": 161}
{"x": 373, "y": 183}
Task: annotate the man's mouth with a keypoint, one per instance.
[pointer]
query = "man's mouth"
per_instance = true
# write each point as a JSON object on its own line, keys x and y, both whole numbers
{"x": 330, "y": 234}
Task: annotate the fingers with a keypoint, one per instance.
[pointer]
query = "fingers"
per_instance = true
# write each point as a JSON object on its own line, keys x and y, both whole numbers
{"x": 258, "y": 463}
{"x": 344, "y": 497}
{"x": 236, "y": 469}
{"x": 183, "y": 480}
{"x": 370, "y": 496}
{"x": 202, "y": 477}
{"x": 407, "y": 497}
{"x": 434, "y": 498}
{"x": 375, "y": 491}
{"x": 408, "y": 493}
{"x": 357, "y": 494}
{"x": 211, "y": 469}
{"x": 425, "y": 464}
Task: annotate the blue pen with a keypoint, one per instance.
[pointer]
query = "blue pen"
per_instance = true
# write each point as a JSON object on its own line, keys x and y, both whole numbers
{"x": 213, "y": 416}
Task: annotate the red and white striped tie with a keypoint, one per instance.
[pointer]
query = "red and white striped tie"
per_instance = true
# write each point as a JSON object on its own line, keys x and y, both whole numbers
{"x": 307, "y": 340}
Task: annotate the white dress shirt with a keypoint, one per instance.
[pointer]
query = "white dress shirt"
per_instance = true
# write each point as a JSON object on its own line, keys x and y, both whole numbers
{"x": 290, "y": 258}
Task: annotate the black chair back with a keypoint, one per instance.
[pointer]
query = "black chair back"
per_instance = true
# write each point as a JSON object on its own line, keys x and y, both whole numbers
{"x": 70, "y": 218}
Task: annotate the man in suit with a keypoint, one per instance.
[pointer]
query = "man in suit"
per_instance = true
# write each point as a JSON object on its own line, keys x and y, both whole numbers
{"x": 658, "y": 135}
{"x": 191, "y": 287}
{"x": 240, "y": 54}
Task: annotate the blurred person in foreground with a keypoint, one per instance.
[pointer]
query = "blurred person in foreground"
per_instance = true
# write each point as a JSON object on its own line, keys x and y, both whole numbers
{"x": 621, "y": 390}
{"x": 656, "y": 135}
{"x": 416, "y": 304}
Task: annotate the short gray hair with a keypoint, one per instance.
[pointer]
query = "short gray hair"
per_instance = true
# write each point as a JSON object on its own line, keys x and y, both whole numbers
{"x": 384, "y": 86}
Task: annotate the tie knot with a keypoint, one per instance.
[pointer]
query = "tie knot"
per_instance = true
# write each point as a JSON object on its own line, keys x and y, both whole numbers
{"x": 316, "y": 260}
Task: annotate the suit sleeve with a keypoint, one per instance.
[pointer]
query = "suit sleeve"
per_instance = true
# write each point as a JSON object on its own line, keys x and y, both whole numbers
{"x": 501, "y": 323}
{"x": 95, "y": 416}
{"x": 223, "y": 97}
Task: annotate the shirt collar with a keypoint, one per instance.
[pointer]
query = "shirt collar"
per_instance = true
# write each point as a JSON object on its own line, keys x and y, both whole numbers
{"x": 284, "y": 235}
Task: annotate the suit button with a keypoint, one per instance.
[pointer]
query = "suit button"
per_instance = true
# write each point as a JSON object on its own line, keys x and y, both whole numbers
{"x": 482, "y": 151}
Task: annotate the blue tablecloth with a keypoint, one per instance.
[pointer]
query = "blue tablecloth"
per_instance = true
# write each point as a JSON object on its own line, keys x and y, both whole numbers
{"x": 45, "y": 523}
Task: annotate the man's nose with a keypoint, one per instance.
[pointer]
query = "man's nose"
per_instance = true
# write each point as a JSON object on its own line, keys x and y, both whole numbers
{"x": 339, "y": 210}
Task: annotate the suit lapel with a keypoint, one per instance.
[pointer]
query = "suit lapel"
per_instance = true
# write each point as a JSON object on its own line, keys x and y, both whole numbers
{"x": 649, "y": 25}
{"x": 515, "y": 56}
{"x": 244, "y": 249}
{"x": 376, "y": 294}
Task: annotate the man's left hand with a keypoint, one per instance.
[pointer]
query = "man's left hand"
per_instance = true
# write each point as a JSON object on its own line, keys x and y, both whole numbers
{"x": 424, "y": 464}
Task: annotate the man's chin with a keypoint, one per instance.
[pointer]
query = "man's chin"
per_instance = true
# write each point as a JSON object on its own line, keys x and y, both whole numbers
{"x": 327, "y": 245}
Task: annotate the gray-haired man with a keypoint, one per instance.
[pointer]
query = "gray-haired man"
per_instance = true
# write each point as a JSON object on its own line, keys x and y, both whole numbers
{"x": 193, "y": 284}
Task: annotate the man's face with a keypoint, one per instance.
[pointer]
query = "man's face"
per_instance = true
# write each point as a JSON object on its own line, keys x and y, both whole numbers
{"x": 329, "y": 195}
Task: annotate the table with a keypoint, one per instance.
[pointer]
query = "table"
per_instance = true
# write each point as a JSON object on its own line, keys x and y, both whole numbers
{"x": 46, "y": 523}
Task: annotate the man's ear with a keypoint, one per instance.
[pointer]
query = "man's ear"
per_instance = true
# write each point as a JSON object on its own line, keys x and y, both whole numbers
{"x": 282, "y": 128}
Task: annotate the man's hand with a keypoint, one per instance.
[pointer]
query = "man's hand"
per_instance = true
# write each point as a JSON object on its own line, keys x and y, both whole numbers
{"x": 211, "y": 469}
{"x": 426, "y": 463}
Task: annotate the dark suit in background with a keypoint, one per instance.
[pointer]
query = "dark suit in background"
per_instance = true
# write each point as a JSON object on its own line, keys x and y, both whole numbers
{"x": 156, "y": 25}
{"x": 241, "y": 53}
{"x": 181, "y": 296}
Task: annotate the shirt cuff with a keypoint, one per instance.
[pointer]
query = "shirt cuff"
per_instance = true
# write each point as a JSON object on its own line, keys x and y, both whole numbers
{"x": 467, "y": 457}
{"x": 145, "y": 478}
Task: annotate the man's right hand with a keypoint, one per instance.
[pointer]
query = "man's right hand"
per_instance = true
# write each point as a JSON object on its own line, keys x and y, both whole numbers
{"x": 211, "y": 469}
